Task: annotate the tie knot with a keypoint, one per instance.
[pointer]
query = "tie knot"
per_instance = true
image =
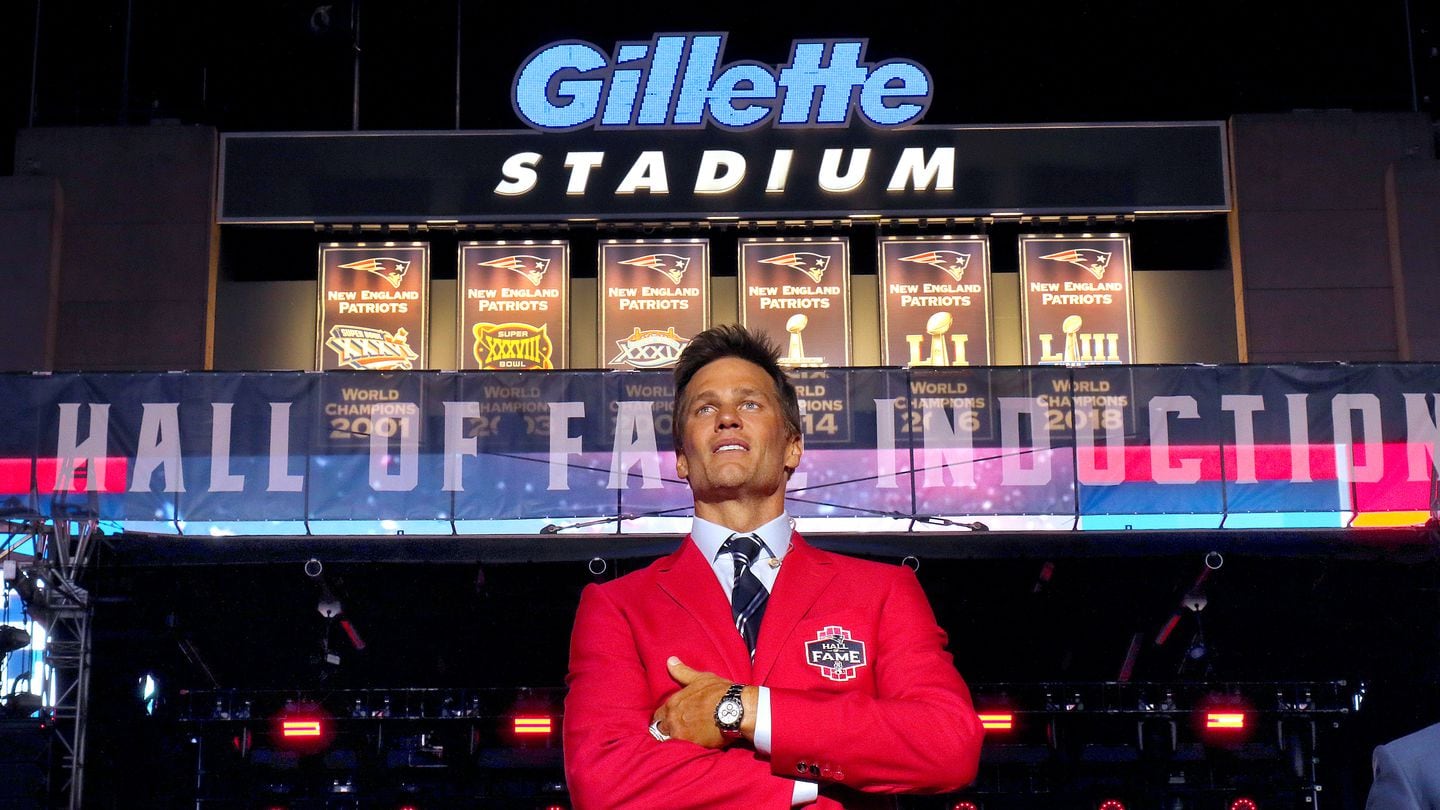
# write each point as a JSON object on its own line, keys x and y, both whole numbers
{"x": 744, "y": 547}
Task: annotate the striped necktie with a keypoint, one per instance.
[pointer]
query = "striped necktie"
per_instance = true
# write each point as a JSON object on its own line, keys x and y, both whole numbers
{"x": 747, "y": 600}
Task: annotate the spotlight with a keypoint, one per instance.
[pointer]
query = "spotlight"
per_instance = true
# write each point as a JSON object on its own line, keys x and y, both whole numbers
{"x": 303, "y": 726}
{"x": 964, "y": 804}
{"x": 1244, "y": 803}
{"x": 1110, "y": 804}
{"x": 12, "y": 639}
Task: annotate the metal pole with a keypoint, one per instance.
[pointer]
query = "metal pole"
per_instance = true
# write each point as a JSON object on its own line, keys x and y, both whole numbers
{"x": 355, "y": 46}
{"x": 34, "y": 63}
{"x": 459, "y": 26}
{"x": 125, "y": 68}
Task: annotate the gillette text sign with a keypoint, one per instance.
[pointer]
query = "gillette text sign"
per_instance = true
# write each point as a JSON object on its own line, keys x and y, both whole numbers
{"x": 679, "y": 81}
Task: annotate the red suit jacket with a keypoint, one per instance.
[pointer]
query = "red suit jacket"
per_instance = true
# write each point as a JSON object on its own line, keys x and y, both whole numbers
{"x": 863, "y": 695}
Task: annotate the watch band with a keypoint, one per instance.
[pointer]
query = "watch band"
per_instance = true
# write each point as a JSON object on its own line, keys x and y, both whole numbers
{"x": 730, "y": 730}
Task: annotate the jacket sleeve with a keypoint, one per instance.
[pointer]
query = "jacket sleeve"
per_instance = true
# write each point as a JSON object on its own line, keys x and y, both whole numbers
{"x": 918, "y": 732}
{"x": 611, "y": 760}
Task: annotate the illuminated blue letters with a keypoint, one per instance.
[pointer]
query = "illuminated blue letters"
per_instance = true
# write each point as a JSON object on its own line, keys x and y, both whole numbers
{"x": 679, "y": 81}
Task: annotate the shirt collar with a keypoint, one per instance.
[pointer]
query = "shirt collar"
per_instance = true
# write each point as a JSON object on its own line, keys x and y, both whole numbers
{"x": 774, "y": 537}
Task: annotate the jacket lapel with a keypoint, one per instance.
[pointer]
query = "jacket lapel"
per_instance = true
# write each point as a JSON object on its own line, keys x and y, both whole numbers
{"x": 691, "y": 583}
{"x": 803, "y": 577}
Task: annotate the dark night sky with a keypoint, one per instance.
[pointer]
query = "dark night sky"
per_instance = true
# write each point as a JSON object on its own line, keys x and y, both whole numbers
{"x": 261, "y": 65}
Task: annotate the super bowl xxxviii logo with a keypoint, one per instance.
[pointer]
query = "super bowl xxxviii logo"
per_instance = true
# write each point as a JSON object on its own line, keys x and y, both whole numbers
{"x": 836, "y": 654}
{"x": 390, "y": 269}
{"x": 649, "y": 348}
{"x": 376, "y": 349}
{"x": 511, "y": 346}
{"x": 811, "y": 264}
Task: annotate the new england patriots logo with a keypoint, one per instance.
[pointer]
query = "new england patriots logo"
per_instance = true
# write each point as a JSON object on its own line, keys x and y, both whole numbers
{"x": 392, "y": 270}
{"x": 1088, "y": 258}
{"x": 952, "y": 262}
{"x": 811, "y": 264}
{"x": 531, "y": 267}
{"x": 666, "y": 264}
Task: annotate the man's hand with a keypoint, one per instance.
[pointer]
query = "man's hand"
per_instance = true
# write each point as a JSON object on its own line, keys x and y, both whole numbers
{"x": 690, "y": 713}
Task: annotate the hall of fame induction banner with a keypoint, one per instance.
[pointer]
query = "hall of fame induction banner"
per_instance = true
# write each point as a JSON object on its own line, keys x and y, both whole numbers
{"x": 514, "y": 300}
{"x": 1076, "y": 301}
{"x": 654, "y": 297}
{"x": 373, "y": 306}
{"x": 798, "y": 292}
{"x": 935, "y": 301}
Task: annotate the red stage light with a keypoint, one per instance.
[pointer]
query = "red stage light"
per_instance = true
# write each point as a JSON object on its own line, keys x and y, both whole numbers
{"x": 1224, "y": 721}
{"x": 1244, "y": 803}
{"x": 964, "y": 804}
{"x": 997, "y": 721}
{"x": 303, "y": 725}
{"x": 1110, "y": 804}
{"x": 533, "y": 725}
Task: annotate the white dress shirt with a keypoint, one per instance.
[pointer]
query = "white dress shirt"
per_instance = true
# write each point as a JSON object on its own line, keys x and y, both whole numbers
{"x": 774, "y": 544}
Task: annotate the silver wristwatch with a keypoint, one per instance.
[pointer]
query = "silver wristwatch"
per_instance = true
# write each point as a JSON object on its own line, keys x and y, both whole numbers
{"x": 729, "y": 712}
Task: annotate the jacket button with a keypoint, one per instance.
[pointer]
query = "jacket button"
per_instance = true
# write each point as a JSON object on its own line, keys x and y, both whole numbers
{"x": 814, "y": 769}
{"x": 800, "y": 767}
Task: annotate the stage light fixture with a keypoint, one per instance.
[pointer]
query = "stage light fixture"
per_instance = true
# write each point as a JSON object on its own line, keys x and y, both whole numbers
{"x": 532, "y": 725}
{"x": 1110, "y": 804}
{"x": 12, "y": 639}
{"x": 997, "y": 721}
{"x": 964, "y": 804}
{"x": 1244, "y": 803}
{"x": 1224, "y": 721}
{"x": 303, "y": 726}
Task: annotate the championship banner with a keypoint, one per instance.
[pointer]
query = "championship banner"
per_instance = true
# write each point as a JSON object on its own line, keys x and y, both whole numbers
{"x": 894, "y": 450}
{"x": 935, "y": 301}
{"x": 514, "y": 301}
{"x": 654, "y": 295}
{"x": 798, "y": 291}
{"x": 373, "y": 306}
{"x": 1076, "y": 300}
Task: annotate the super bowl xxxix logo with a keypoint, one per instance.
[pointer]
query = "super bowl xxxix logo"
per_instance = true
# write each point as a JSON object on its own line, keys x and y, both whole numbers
{"x": 836, "y": 654}
{"x": 649, "y": 348}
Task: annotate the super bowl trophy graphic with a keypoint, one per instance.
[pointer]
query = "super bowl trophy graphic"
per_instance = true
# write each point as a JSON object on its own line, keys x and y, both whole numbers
{"x": 1071, "y": 326}
{"x": 796, "y": 356}
{"x": 938, "y": 328}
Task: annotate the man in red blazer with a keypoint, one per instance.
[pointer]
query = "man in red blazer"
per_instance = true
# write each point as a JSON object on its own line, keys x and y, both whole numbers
{"x": 847, "y": 693}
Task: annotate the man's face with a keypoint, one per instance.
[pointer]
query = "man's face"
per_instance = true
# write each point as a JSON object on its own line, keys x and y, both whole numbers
{"x": 736, "y": 444}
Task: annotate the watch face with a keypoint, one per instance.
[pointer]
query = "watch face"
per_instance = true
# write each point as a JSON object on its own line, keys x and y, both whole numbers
{"x": 729, "y": 711}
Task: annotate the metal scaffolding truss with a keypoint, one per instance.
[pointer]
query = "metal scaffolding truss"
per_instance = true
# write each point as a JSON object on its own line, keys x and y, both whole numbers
{"x": 49, "y": 582}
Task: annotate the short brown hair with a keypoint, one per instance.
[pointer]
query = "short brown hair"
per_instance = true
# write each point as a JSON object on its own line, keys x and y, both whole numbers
{"x": 732, "y": 340}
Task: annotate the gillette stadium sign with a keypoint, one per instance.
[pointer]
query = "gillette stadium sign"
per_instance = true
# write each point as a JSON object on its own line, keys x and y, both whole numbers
{"x": 668, "y": 129}
{"x": 679, "y": 81}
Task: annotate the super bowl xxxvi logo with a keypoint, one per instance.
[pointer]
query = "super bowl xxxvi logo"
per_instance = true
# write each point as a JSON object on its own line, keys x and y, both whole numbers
{"x": 376, "y": 349}
{"x": 1089, "y": 259}
{"x": 668, "y": 265}
{"x": 811, "y": 264}
{"x": 649, "y": 348}
{"x": 836, "y": 654}
{"x": 531, "y": 268}
{"x": 512, "y": 346}
{"x": 392, "y": 270}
